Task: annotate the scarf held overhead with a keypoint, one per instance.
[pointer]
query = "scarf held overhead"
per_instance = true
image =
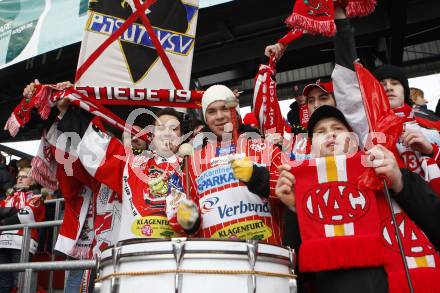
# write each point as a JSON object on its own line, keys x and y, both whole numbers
{"x": 92, "y": 99}
{"x": 317, "y": 16}
{"x": 265, "y": 102}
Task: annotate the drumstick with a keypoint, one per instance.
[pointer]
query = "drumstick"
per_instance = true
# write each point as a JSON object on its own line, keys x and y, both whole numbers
{"x": 231, "y": 103}
{"x": 186, "y": 150}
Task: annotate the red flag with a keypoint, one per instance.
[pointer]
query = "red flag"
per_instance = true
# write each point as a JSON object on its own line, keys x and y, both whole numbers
{"x": 381, "y": 119}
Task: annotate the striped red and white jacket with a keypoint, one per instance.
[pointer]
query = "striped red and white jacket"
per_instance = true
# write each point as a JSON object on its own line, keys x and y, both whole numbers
{"x": 78, "y": 188}
{"x": 229, "y": 208}
{"x": 31, "y": 209}
{"x": 150, "y": 185}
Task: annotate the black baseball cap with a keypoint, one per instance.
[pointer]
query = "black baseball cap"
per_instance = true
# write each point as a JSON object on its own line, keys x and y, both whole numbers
{"x": 324, "y": 112}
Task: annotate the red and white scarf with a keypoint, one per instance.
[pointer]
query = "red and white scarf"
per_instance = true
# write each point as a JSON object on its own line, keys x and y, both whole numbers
{"x": 44, "y": 166}
{"x": 304, "y": 115}
{"x": 317, "y": 16}
{"x": 89, "y": 99}
{"x": 406, "y": 112}
{"x": 265, "y": 101}
{"x": 343, "y": 226}
{"x": 422, "y": 258}
{"x": 338, "y": 221}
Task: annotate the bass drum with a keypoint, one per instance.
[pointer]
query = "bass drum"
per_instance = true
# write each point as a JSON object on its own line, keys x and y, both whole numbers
{"x": 196, "y": 266}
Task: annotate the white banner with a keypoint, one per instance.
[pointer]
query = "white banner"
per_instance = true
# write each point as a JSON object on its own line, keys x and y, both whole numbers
{"x": 132, "y": 60}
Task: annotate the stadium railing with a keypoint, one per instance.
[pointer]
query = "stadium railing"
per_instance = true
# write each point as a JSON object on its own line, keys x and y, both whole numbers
{"x": 28, "y": 270}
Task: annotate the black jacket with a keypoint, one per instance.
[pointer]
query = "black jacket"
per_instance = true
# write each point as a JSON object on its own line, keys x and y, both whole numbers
{"x": 421, "y": 204}
{"x": 293, "y": 114}
{"x": 437, "y": 109}
{"x": 7, "y": 180}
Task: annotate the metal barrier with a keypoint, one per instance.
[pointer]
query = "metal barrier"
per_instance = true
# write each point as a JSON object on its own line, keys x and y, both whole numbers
{"x": 24, "y": 280}
{"x": 29, "y": 268}
{"x": 57, "y": 216}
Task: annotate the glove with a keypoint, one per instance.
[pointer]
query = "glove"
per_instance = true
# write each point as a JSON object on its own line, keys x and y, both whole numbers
{"x": 187, "y": 214}
{"x": 242, "y": 169}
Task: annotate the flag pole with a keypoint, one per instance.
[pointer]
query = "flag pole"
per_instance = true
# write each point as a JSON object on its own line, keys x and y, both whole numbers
{"x": 384, "y": 110}
{"x": 399, "y": 240}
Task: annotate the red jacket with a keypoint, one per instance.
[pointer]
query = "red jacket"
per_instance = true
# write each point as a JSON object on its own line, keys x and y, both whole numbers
{"x": 31, "y": 209}
{"x": 150, "y": 185}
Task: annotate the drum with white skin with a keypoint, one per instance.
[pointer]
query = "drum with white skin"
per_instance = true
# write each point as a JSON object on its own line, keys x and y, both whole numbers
{"x": 183, "y": 265}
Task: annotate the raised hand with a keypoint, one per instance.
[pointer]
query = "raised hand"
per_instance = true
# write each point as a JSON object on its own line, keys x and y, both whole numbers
{"x": 417, "y": 141}
{"x": 284, "y": 187}
{"x": 242, "y": 169}
{"x": 29, "y": 90}
{"x": 385, "y": 165}
{"x": 277, "y": 50}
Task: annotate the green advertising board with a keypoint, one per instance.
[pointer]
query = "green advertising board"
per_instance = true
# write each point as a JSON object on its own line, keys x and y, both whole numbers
{"x": 32, "y": 27}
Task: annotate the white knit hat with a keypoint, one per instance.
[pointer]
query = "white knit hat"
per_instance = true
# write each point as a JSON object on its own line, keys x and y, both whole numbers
{"x": 215, "y": 93}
